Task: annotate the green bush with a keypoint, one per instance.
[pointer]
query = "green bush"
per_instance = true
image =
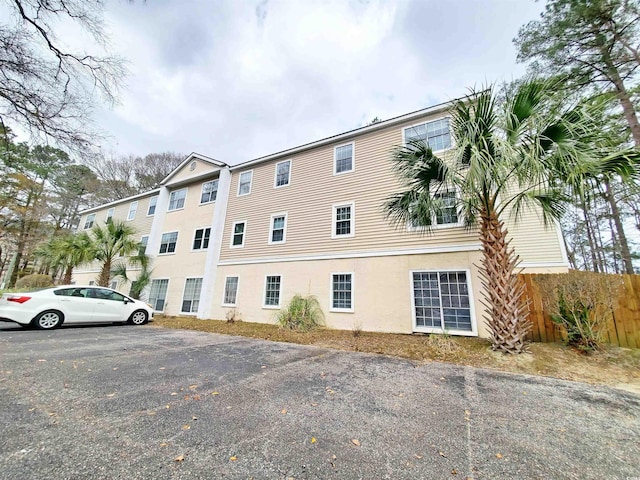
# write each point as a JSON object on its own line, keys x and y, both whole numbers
{"x": 302, "y": 314}
{"x": 35, "y": 280}
{"x": 581, "y": 302}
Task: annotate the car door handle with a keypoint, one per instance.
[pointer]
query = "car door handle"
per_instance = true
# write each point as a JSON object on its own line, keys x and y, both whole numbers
{"x": 65, "y": 300}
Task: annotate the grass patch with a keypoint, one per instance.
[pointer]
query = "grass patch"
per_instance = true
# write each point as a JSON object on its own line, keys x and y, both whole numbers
{"x": 619, "y": 367}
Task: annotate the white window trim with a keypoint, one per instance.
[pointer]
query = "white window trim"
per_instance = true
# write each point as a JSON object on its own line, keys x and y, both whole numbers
{"x": 353, "y": 158}
{"x": 224, "y": 291}
{"x": 160, "y": 244}
{"x": 434, "y": 224}
{"x": 353, "y": 289}
{"x": 284, "y": 233}
{"x": 165, "y": 298}
{"x": 186, "y": 192}
{"x": 405, "y": 128}
{"x": 472, "y": 310}
{"x": 113, "y": 211}
{"x": 275, "y": 175}
{"x": 135, "y": 212}
{"x": 149, "y": 206}
{"x": 193, "y": 238}
{"x": 264, "y": 293}
{"x": 145, "y": 247}
{"x": 250, "y": 183}
{"x": 244, "y": 234}
{"x": 334, "y": 220}
{"x": 86, "y": 219}
{"x": 183, "y": 291}
{"x": 201, "y": 191}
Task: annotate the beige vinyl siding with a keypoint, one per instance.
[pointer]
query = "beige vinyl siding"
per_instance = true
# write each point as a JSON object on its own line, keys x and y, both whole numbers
{"x": 185, "y": 173}
{"x": 309, "y": 198}
{"x": 193, "y": 215}
{"x": 535, "y": 243}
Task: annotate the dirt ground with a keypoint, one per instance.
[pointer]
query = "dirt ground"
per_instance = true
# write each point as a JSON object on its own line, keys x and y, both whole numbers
{"x": 613, "y": 366}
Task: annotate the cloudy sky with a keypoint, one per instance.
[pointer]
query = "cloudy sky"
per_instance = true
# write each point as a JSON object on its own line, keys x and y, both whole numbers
{"x": 236, "y": 80}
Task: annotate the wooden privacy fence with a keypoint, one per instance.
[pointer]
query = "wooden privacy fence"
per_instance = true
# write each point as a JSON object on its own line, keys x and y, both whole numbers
{"x": 622, "y": 330}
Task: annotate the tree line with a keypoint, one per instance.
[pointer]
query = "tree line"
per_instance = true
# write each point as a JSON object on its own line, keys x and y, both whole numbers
{"x": 43, "y": 191}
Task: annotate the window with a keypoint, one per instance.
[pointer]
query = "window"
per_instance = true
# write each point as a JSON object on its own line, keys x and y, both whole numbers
{"x": 176, "y": 199}
{"x": 92, "y": 282}
{"x": 237, "y": 239}
{"x": 278, "y": 232}
{"x": 104, "y": 294}
{"x": 441, "y": 301}
{"x": 114, "y": 285}
{"x": 436, "y": 134}
{"x": 283, "y": 171}
{"x": 153, "y": 201}
{"x": 230, "y": 291}
{"x": 209, "y": 191}
{"x": 142, "y": 248}
{"x": 191, "y": 295}
{"x": 133, "y": 208}
{"x": 109, "y": 214}
{"x": 272, "y": 291}
{"x": 343, "y": 159}
{"x": 447, "y": 214}
{"x": 342, "y": 292}
{"x": 244, "y": 185}
{"x": 158, "y": 294}
{"x": 88, "y": 223}
{"x": 343, "y": 216}
{"x": 201, "y": 239}
{"x": 168, "y": 242}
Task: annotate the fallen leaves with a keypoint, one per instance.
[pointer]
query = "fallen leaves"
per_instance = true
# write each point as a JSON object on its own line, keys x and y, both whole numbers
{"x": 179, "y": 458}
{"x": 233, "y": 459}
{"x": 313, "y": 440}
{"x": 355, "y": 441}
{"x": 186, "y": 427}
{"x": 283, "y": 411}
{"x": 498, "y": 455}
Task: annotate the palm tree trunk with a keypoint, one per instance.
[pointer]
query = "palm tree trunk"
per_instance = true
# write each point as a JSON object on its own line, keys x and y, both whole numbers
{"x": 105, "y": 273}
{"x": 66, "y": 280}
{"x": 506, "y": 308}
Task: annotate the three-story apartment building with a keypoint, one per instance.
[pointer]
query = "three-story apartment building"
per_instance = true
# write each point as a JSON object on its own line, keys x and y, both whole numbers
{"x": 310, "y": 220}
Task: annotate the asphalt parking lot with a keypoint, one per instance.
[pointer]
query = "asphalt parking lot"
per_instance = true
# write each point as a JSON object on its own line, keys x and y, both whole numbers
{"x": 123, "y": 402}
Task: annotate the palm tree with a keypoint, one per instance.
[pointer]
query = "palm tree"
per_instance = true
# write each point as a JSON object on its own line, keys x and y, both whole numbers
{"x": 112, "y": 240}
{"x": 506, "y": 158}
{"x": 120, "y": 269}
{"x": 66, "y": 253}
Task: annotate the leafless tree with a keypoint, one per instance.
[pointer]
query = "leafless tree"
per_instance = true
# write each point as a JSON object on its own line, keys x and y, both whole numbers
{"x": 45, "y": 88}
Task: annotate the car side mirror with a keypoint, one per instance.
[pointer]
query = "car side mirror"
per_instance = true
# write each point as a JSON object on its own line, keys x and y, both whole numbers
{"x": 127, "y": 300}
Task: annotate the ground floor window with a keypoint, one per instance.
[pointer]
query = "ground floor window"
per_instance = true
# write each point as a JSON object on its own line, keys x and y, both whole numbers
{"x": 158, "y": 294}
{"x": 191, "y": 295}
{"x": 230, "y": 291}
{"x": 342, "y": 292}
{"x": 272, "y": 291}
{"x": 441, "y": 301}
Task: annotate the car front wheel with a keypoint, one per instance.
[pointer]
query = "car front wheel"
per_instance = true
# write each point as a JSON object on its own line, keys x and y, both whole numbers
{"x": 48, "y": 319}
{"x": 139, "y": 317}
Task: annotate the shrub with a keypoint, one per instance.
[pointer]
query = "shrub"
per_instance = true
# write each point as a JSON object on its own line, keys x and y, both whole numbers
{"x": 302, "y": 314}
{"x": 35, "y": 280}
{"x": 581, "y": 302}
{"x": 233, "y": 315}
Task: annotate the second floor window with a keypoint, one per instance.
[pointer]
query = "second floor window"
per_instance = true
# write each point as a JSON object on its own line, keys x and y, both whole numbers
{"x": 237, "y": 239}
{"x": 201, "y": 238}
{"x": 278, "y": 228}
{"x": 343, "y": 220}
{"x": 133, "y": 209}
{"x": 244, "y": 185}
{"x": 176, "y": 199}
{"x": 168, "y": 242}
{"x": 143, "y": 245}
{"x": 209, "y": 191}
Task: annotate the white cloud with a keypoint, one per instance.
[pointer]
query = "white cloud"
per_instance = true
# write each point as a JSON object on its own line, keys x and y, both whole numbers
{"x": 237, "y": 80}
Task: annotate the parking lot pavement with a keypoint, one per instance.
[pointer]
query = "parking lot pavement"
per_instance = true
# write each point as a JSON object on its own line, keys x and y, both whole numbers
{"x": 149, "y": 403}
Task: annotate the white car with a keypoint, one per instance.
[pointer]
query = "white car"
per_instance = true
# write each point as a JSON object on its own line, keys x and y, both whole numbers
{"x": 51, "y": 307}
